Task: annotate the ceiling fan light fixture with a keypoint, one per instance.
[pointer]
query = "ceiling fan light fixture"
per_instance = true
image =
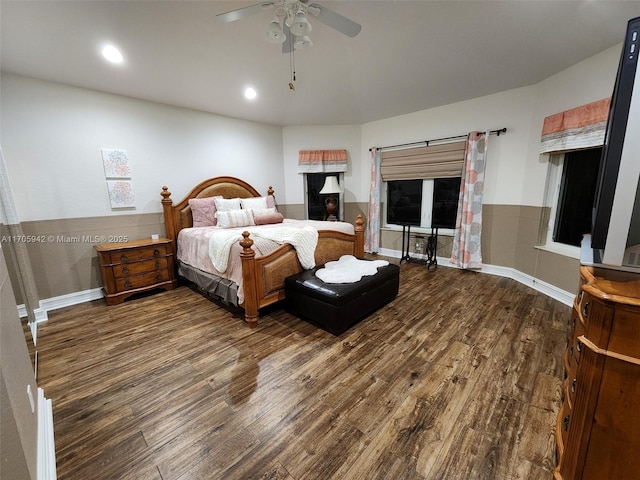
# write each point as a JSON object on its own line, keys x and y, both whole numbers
{"x": 300, "y": 25}
{"x": 275, "y": 33}
{"x": 303, "y": 42}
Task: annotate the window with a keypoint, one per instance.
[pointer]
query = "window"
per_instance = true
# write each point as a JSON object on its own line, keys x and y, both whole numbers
{"x": 425, "y": 203}
{"x": 315, "y": 202}
{"x": 572, "y": 186}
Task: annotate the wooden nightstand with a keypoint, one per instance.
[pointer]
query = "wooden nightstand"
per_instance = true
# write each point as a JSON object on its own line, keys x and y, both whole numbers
{"x": 136, "y": 266}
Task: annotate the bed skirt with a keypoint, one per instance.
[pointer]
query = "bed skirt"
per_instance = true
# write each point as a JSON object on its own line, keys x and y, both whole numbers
{"x": 220, "y": 288}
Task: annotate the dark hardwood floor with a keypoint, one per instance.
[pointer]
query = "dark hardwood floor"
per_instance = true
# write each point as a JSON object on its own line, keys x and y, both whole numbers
{"x": 457, "y": 378}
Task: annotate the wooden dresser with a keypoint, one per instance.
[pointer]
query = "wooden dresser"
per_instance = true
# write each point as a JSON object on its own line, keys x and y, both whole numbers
{"x": 136, "y": 266}
{"x": 598, "y": 425}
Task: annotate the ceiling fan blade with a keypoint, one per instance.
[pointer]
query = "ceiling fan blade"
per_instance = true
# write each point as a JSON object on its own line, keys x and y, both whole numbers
{"x": 287, "y": 46}
{"x": 335, "y": 20}
{"x": 234, "y": 15}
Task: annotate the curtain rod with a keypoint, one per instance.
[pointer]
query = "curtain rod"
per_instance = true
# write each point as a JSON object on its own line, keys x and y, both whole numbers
{"x": 427, "y": 142}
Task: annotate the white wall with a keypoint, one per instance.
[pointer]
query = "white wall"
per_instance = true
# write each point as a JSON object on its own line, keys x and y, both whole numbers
{"x": 321, "y": 138}
{"x": 52, "y": 135}
{"x": 505, "y": 167}
{"x": 516, "y": 174}
{"x": 585, "y": 82}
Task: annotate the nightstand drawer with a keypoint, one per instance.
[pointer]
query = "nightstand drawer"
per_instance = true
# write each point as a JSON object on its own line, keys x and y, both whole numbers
{"x": 134, "y": 267}
{"x": 127, "y": 269}
{"x": 139, "y": 281}
{"x": 137, "y": 254}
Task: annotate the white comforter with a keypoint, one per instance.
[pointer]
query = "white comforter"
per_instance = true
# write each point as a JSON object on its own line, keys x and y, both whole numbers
{"x": 194, "y": 245}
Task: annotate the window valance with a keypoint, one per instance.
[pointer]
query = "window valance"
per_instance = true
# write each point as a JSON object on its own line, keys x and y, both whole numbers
{"x": 580, "y": 127}
{"x": 437, "y": 161}
{"x": 318, "y": 161}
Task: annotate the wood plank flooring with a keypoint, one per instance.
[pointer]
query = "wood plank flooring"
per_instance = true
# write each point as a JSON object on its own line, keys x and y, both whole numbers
{"x": 457, "y": 378}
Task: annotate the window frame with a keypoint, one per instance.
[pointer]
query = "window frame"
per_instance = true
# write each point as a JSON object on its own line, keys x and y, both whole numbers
{"x": 552, "y": 198}
{"x": 426, "y": 210}
{"x": 340, "y": 196}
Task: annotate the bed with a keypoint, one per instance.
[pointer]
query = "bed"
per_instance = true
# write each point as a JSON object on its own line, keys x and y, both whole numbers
{"x": 262, "y": 275}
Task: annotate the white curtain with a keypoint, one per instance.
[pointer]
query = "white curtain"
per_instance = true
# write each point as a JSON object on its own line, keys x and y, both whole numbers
{"x": 15, "y": 249}
{"x": 372, "y": 238}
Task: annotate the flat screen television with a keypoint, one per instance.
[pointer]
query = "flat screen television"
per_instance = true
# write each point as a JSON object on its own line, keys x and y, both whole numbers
{"x": 617, "y": 177}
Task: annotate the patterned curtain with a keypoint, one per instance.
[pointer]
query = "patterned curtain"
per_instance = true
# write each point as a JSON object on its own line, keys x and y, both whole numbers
{"x": 319, "y": 161}
{"x": 372, "y": 240}
{"x": 466, "y": 242}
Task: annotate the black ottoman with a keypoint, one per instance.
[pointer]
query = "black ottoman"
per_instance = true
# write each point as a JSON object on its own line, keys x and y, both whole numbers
{"x": 337, "y": 306}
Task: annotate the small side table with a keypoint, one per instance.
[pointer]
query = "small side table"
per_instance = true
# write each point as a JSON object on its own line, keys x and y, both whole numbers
{"x": 133, "y": 267}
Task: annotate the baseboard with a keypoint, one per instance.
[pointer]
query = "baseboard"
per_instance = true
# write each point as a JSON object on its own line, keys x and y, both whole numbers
{"x": 46, "y": 442}
{"x": 543, "y": 287}
{"x": 61, "y": 301}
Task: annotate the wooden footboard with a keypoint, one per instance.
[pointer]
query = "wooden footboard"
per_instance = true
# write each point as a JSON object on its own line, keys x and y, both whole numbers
{"x": 263, "y": 277}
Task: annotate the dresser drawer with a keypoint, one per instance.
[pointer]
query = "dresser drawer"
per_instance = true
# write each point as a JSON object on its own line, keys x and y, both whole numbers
{"x": 139, "y": 281}
{"x": 145, "y": 266}
{"x": 134, "y": 267}
{"x": 137, "y": 254}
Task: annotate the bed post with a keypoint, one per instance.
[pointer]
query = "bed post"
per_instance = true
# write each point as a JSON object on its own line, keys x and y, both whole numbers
{"x": 248, "y": 258}
{"x": 167, "y": 210}
{"x": 359, "y": 243}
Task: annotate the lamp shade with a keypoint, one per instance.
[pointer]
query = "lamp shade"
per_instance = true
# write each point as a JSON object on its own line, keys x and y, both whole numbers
{"x": 331, "y": 185}
{"x": 303, "y": 42}
{"x": 275, "y": 33}
{"x": 300, "y": 25}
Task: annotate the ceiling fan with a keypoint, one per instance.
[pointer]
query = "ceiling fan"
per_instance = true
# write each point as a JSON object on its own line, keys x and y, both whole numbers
{"x": 290, "y": 25}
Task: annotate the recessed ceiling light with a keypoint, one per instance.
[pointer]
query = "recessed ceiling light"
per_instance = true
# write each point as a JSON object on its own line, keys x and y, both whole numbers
{"x": 112, "y": 54}
{"x": 250, "y": 93}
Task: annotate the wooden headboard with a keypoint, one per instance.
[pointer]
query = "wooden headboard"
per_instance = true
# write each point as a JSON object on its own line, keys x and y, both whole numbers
{"x": 178, "y": 216}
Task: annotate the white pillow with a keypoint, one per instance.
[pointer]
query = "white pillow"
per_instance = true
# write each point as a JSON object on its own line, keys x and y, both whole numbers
{"x": 234, "y": 218}
{"x": 263, "y": 211}
{"x": 225, "y": 204}
{"x": 254, "y": 202}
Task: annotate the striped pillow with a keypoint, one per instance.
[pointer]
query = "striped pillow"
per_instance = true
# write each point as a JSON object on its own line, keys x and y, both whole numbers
{"x": 235, "y": 218}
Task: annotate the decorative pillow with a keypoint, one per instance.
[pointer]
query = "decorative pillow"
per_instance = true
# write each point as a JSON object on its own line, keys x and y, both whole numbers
{"x": 225, "y": 204}
{"x": 235, "y": 218}
{"x": 263, "y": 211}
{"x": 266, "y": 218}
{"x": 203, "y": 211}
{"x": 254, "y": 202}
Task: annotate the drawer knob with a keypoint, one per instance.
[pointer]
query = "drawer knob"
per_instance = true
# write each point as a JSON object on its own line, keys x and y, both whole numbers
{"x": 158, "y": 263}
{"x": 159, "y": 277}
{"x": 579, "y": 346}
{"x": 123, "y": 258}
{"x": 156, "y": 252}
{"x": 127, "y": 283}
{"x": 125, "y": 269}
{"x": 585, "y": 310}
{"x": 573, "y": 385}
{"x": 565, "y": 422}
{"x": 571, "y": 350}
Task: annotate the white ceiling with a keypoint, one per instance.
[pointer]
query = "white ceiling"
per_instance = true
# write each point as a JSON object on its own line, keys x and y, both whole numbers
{"x": 409, "y": 56}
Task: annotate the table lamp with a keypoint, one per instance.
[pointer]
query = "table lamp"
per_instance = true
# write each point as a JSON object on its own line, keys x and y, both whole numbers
{"x": 331, "y": 187}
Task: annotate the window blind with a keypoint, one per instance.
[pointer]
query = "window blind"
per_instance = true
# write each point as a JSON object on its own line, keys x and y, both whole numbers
{"x": 318, "y": 161}
{"x": 437, "y": 161}
{"x": 578, "y": 128}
